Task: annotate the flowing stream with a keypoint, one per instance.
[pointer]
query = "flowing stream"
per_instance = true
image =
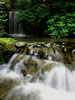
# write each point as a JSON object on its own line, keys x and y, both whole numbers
{"x": 58, "y": 83}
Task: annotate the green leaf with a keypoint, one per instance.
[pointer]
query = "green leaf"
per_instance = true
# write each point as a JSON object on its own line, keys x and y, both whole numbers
{"x": 52, "y": 28}
{"x": 50, "y": 21}
{"x": 73, "y": 32}
{"x": 60, "y": 24}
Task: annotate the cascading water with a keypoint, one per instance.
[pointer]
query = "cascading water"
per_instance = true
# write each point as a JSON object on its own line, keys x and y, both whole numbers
{"x": 15, "y": 28}
{"x": 56, "y": 84}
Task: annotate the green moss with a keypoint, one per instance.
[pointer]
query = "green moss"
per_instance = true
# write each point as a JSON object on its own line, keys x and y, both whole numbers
{"x": 7, "y": 40}
{"x": 6, "y": 49}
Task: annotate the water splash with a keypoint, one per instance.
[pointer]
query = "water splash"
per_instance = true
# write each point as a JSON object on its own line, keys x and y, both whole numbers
{"x": 61, "y": 78}
{"x": 58, "y": 83}
{"x": 37, "y": 91}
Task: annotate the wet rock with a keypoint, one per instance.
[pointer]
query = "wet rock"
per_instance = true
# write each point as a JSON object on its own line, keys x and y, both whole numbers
{"x": 5, "y": 87}
{"x": 27, "y": 64}
{"x": 14, "y": 60}
{"x": 38, "y": 45}
{"x": 30, "y": 61}
{"x": 31, "y": 70}
{"x": 20, "y": 45}
{"x": 48, "y": 45}
{"x": 31, "y": 65}
{"x": 47, "y": 67}
{"x": 68, "y": 53}
{"x": 41, "y": 54}
{"x": 56, "y": 54}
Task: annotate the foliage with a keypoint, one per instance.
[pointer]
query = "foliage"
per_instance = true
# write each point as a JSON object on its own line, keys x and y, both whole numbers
{"x": 3, "y": 18}
{"x": 62, "y": 7}
{"x": 7, "y": 40}
{"x": 23, "y": 4}
{"x": 6, "y": 4}
{"x": 6, "y": 49}
{"x": 30, "y": 14}
{"x": 61, "y": 25}
{"x": 33, "y": 14}
{"x": 8, "y": 43}
{"x": 33, "y": 17}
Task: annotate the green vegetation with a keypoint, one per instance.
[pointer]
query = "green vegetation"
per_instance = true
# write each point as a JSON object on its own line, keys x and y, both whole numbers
{"x": 23, "y": 4}
{"x": 61, "y": 25}
{"x": 2, "y": 18}
{"x": 62, "y": 7}
{"x": 37, "y": 16}
{"x": 6, "y": 49}
{"x": 33, "y": 19}
{"x": 36, "y": 19}
{"x": 7, "y": 40}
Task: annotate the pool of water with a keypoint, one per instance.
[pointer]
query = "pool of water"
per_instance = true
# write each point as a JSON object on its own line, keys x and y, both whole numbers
{"x": 45, "y": 40}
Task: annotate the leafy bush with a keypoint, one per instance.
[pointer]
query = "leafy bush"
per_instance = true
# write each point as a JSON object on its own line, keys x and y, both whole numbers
{"x": 61, "y": 25}
{"x": 3, "y": 18}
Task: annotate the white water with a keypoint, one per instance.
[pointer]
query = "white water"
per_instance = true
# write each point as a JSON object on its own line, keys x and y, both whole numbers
{"x": 57, "y": 84}
{"x": 38, "y": 91}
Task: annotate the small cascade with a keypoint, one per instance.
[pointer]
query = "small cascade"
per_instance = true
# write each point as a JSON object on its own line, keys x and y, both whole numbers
{"x": 30, "y": 82}
{"x": 37, "y": 91}
{"x": 61, "y": 78}
{"x": 15, "y": 28}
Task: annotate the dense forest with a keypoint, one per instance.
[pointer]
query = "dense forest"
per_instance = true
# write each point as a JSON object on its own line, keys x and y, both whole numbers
{"x": 44, "y": 18}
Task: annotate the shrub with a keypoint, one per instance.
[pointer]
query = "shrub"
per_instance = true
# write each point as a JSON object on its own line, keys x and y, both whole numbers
{"x": 61, "y": 25}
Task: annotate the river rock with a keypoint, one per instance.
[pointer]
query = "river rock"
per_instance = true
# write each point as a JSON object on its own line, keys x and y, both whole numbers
{"x": 5, "y": 87}
{"x": 47, "y": 67}
{"x": 20, "y": 45}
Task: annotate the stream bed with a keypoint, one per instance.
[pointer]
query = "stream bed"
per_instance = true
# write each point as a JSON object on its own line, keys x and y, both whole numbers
{"x": 39, "y": 71}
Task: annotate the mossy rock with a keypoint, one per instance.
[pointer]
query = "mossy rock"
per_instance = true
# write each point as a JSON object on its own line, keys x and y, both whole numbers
{"x": 7, "y": 48}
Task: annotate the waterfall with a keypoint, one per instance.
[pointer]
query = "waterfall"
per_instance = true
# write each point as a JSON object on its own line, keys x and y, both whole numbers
{"x": 56, "y": 84}
{"x": 15, "y": 28}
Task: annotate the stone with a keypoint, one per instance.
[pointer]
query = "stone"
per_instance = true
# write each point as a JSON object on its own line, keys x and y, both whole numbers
{"x": 5, "y": 87}
{"x": 20, "y": 45}
{"x": 47, "y": 67}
